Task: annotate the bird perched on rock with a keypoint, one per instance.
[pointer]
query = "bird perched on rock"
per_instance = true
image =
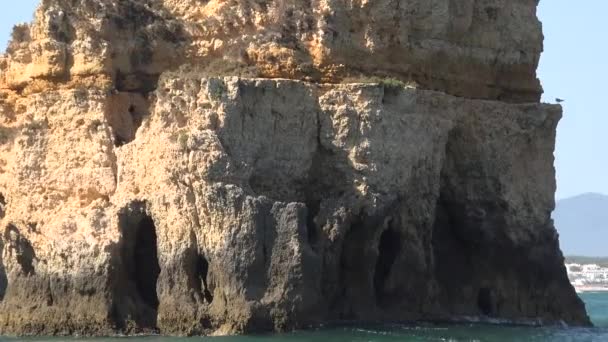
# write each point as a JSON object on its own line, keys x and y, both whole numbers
{"x": 558, "y": 100}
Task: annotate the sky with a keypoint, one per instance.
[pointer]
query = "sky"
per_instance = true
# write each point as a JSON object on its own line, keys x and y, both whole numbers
{"x": 574, "y": 67}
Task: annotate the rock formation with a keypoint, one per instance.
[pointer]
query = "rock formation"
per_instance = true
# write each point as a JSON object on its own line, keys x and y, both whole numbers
{"x": 226, "y": 166}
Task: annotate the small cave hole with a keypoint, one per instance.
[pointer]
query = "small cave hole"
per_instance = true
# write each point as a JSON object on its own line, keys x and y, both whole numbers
{"x": 492, "y": 13}
{"x": 3, "y": 277}
{"x": 145, "y": 261}
{"x": 126, "y": 115}
{"x": 388, "y": 251}
{"x": 2, "y": 205}
{"x": 485, "y": 301}
{"x": 3, "y": 281}
{"x": 202, "y": 267}
{"x": 137, "y": 117}
{"x": 119, "y": 141}
{"x": 22, "y": 249}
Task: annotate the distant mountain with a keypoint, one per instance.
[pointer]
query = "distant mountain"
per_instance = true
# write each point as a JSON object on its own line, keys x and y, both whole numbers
{"x": 582, "y": 223}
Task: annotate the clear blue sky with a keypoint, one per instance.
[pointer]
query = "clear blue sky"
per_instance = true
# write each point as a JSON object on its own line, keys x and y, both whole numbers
{"x": 574, "y": 67}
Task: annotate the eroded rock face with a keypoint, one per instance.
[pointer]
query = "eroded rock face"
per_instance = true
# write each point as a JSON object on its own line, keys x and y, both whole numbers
{"x": 470, "y": 48}
{"x": 134, "y": 198}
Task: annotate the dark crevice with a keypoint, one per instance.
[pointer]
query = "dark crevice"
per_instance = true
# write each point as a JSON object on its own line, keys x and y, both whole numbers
{"x": 364, "y": 269}
{"x": 140, "y": 269}
{"x": 25, "y": 257}
{"x": 468, "y": 251}
{"x": 486, "y": 301}
{"x": 126, "y": 115}
{"x": 3, "y": 278}
{"x": 119, "y": 141}
{"x": 353, "y": 270}
{"x": 202, "y": 266}
{"x": 2, "y": 206}
{"x": 117, "y": 316}
{"x": 23, "y": 250}
{"x": 449, "y": 225}
{"x": 137, "y": 82}
{"x": 137, "y": 115}
{"x": 145, "y": 260}
{"x": 453, "y": 256}
{"x": 3, "y": 282}
{"x": 198, "y": 274}
{"x": 492, "y": 13}
{"x": 389, "y": 248}
{"x": 50, "y": 300}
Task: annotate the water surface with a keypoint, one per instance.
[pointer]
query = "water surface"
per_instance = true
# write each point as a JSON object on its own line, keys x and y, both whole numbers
{"x": 597, "y": 306}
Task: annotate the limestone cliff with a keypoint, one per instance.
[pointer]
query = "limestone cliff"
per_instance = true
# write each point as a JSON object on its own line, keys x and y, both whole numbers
{"x": 223, "y": 166}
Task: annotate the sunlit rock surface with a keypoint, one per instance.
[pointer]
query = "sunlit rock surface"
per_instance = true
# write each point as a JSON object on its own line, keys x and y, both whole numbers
{"x": 218, "y": 167}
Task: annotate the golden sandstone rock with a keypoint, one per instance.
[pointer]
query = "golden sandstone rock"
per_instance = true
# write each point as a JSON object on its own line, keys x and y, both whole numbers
{"x": 229, "y": 166}
{"x": 470, "y": 48}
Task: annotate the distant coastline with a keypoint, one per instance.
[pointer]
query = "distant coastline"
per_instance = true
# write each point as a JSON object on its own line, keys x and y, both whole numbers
{"x": 578, "y": 259}
{"x": 588, "y": 274}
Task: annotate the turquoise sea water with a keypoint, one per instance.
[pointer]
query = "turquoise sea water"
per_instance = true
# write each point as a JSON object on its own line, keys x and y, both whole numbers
{"x": 597, "y": 306}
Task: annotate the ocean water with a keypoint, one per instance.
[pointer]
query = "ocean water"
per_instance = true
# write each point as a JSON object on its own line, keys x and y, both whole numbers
{"x": 597, "y": 306}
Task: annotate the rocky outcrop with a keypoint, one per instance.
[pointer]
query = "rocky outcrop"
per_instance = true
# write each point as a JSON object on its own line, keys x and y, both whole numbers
{"x": 471, "y": 48}
{"x": 138, "y": 195}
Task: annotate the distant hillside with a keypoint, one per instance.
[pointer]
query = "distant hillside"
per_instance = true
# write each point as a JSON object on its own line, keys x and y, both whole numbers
{"x": 582, "y": 223}
{"x": 602, "y": 261}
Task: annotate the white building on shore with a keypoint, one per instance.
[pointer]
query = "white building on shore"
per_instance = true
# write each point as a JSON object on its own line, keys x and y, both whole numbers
{"x": 588, "y": 277}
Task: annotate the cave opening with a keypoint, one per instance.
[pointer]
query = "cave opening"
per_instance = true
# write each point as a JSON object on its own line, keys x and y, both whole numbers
{"x": 119, "y": 141}
{"x": 388, "y": 251}
{"x": 126, "y": 114}
{"x": 485, "y": 301}
{"x": 146, "y": 268}
{"x": 2, "y": 205}
{"x": 3, "y": 281}
{"x": 202, "y": 267}
{"x": 126, "y": 130}
{"x": 3, "y": 278}
{"x": 22, "y": 249}
{"x": 138, "y": 269}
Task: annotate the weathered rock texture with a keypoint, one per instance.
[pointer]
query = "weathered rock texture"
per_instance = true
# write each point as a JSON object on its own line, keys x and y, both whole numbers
{"x": 473, "y": 48}
{"x": 137, "y": 195}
